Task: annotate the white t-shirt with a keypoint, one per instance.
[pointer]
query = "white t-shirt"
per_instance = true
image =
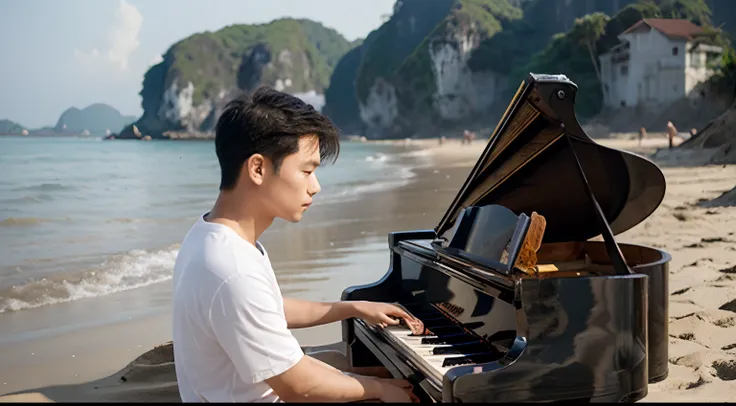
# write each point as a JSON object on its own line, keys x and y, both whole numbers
{"x": 229, "y": 328}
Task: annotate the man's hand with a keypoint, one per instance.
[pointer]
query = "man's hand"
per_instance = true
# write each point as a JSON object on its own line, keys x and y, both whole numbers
{"x": 379, "y": 314}
{"x": 397, "y": 391}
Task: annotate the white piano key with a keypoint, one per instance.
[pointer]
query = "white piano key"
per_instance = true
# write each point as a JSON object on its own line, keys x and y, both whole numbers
{"x": 401, "y": 335}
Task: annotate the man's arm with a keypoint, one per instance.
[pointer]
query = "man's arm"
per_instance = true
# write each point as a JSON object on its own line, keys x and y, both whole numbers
{"x": 303, "y": 313}
{"x": 246, "y": 320}
{"x": 311, "y": 381}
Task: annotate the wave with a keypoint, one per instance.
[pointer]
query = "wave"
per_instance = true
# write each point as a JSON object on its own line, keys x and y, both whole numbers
{"x": 44, "y": 187}
{"x": 38, "y": 198}
{"x": 401, "y": 177}
{"x": 378, "y": 157}
{"x": 131, "y": 270}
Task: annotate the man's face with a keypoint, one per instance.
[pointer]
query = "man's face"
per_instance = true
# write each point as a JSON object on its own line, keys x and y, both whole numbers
{"x": 288, "y": 194}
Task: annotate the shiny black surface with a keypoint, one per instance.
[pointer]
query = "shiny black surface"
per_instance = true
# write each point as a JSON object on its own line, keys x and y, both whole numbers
{"x": 581, "y": 338}
{"x": 490, "y": 236}
{"x": 528, "y": 166}
{"x": 655, "y": 264}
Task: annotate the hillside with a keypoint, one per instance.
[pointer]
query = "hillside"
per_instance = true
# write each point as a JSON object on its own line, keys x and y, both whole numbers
{"x": 96, "y": 119}
{"x": 10, "y": 127}
{"x": 407, "y": 75}
{"x": 524, "y": 37}
{"x": 567, "y": 53}
{"x": 200, "y": 73}
{"x": 442, "y": 66}
{"x": 447, "y": 64}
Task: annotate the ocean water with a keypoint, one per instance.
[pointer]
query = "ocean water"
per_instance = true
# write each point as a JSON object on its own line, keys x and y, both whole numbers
{"x": 81, "y": 217}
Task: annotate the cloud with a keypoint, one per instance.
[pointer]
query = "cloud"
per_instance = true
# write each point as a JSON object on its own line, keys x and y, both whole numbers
{"x": 122, "y": 38}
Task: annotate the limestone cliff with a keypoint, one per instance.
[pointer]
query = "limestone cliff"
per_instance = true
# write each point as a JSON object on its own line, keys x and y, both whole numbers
{"x": 446, "y": 64}
{"x": 198, "y": 75}
{"x": 414, "y": 75}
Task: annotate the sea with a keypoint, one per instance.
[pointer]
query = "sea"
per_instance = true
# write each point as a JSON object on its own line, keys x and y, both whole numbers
{"x": 83, "y": 218}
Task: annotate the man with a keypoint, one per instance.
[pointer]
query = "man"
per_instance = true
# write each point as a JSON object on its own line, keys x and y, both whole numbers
{"x": 671, "y": 133}
{"x": 230, "y": 323}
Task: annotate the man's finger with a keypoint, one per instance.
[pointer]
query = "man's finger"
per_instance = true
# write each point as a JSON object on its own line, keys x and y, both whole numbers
{"x": 398, "y": 312}
{"x": 389, "y": 320}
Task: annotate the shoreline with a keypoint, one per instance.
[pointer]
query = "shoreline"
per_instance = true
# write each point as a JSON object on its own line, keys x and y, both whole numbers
{"x": 702, "y": 343}
{"x": 40, "y": 356}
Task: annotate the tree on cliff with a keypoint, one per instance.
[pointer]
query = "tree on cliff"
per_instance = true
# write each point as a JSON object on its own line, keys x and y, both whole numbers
{"x": 586, "y": 32}
{"x": 696, "y": 11}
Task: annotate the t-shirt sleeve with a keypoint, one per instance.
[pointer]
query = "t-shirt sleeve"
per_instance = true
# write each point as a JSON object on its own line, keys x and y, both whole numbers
{"x": 247, "y": 320}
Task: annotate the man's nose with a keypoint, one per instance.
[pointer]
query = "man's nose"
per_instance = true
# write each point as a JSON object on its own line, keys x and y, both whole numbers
{"x": 314, "y": 186}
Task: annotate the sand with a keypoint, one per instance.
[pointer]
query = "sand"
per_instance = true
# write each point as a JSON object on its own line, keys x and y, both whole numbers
{"x": 701, "y": 237}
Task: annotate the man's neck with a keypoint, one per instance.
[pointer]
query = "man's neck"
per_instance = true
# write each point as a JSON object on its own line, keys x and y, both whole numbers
{"x": 240, "y": 216}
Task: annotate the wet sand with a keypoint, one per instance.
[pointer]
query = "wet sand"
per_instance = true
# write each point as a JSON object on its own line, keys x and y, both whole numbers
{"x": 318, "y": 262}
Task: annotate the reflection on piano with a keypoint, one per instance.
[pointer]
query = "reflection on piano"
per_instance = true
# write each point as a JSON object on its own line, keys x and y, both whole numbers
{"x": 519, "y": 303}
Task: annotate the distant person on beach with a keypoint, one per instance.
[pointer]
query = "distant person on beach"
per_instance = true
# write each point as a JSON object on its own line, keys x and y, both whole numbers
{"x": 231, "y": 325}
{"x": 671, "y": 133}
{"x": 468, "y": 137}
{"x": 642, "y": 134}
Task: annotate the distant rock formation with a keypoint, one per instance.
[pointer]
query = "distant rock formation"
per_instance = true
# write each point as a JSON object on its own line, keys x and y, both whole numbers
{"x": 184, "y": 94}
{"x": 8, "y": 127}
{"x": 96, "y": 119}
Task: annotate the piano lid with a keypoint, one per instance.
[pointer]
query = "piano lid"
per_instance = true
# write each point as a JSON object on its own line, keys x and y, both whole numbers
{"x": 528, "y": 166}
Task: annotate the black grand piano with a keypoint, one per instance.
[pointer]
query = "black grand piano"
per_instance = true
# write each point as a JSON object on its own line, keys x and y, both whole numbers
{"x": 525, "y": 292}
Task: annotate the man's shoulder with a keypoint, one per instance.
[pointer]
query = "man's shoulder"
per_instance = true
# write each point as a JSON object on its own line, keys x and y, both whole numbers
{"x": 218, "y": 255}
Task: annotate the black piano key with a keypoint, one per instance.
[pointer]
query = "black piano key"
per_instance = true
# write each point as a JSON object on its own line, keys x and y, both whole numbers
{"x": 470, "y": 359}
{"x": 449, "y": 339}
{"x": 464, "y": 348}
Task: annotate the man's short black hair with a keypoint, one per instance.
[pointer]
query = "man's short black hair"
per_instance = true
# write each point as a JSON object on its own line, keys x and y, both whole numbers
{"x": 269, "y": 123}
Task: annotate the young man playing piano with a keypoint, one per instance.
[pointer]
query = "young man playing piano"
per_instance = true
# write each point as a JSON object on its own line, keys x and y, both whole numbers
{"x": 230, "y": 323}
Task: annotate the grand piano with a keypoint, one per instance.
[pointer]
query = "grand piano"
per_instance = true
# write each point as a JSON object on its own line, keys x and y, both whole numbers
{"x": 525, "y": 293}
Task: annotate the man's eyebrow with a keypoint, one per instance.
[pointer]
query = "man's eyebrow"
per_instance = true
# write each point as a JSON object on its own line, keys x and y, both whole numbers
{"x": 313, "y": 163}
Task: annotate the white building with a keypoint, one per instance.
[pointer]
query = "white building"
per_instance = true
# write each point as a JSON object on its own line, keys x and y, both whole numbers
{"x": 657, "y": 62}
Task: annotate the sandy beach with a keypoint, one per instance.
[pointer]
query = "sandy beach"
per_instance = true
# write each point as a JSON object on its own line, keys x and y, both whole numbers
{"x": 130, "y": 359}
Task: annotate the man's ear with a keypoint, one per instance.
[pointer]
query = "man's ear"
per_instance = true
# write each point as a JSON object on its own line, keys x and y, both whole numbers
{"x": 255, "y": 167}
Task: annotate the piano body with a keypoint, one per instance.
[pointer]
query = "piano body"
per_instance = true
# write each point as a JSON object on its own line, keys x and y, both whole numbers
{"x": 586, "y": 321}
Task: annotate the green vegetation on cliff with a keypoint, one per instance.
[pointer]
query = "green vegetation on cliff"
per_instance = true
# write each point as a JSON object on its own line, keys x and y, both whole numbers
{"x": 522, "y": 38}
{"x": 341, "y": 102}
{"x": 399, "y": 52}
{"x": 10, "y": 127}
{"x": 389, "y": 46}
{"x": 468, "y": 20}
{"x": 567, "y": 54}
{"x": 511, "y": 32}
{"x": 305, "y": 52}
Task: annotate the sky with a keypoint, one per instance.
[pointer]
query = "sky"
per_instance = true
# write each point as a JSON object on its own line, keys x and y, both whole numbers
{"x": 58, "y": 54}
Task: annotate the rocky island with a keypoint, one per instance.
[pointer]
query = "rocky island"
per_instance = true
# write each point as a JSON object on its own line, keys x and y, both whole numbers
{"x": 183, "y": 95}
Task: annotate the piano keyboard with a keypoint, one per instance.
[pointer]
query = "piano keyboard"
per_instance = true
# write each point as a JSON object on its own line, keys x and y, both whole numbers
{"x": 449, "y": 345}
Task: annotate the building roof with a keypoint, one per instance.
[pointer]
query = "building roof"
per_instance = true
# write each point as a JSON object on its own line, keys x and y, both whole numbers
{"x": 673, "y": 28}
